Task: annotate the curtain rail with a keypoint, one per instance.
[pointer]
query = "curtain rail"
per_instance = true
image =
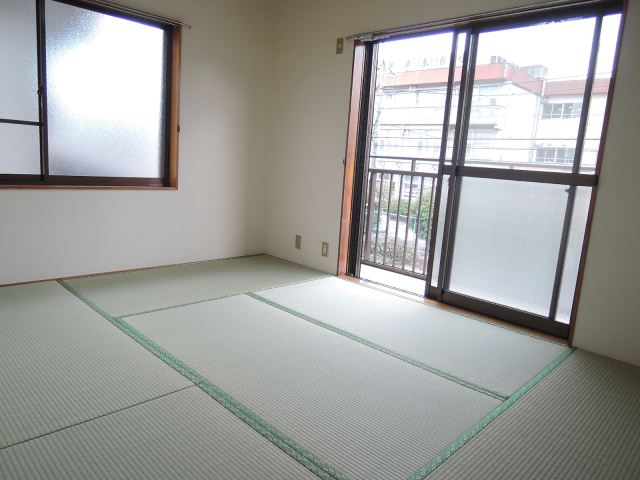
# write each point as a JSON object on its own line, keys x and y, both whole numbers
{"x": 134, "y": 11}
{"x": 538, "y": 8}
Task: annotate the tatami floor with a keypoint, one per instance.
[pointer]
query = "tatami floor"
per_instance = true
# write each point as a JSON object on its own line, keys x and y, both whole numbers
{"x": 259, "y": 368}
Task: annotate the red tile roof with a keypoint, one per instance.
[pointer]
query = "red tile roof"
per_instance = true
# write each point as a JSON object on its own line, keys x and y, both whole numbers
{"x": 493, "y": 72}
{"x": 435, "y": 76}
{"x": 575, "y": 87}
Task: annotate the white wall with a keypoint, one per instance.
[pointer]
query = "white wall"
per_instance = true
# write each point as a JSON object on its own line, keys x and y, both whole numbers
{"x": 264, "y": 116}
{"x": 309, "y": 119}
{"x": 219, "y": 208}
{"x": 310, "y": 110}
{"x": 609, "y": 312}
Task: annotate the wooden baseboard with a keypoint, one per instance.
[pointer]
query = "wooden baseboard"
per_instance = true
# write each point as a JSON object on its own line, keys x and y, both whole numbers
{"x": 152, "y": 267}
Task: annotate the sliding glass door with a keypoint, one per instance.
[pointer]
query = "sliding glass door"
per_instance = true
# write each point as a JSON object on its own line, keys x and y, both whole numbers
{"x": 480, "y": 157}
{"x": 524, "y": 166}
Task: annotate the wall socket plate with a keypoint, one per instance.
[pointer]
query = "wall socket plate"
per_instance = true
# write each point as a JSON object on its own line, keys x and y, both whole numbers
{"x": 325, "y": 249}
{"x": 298, "y": 243}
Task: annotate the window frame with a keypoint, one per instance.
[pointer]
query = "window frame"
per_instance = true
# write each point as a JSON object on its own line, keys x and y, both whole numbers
{"x": 365, "y": 49}
{"x": 459, "y": 169}
{"x": 568, "y": 110}
{"x": 171, "y": 126}
{"x": 554, "y": 155}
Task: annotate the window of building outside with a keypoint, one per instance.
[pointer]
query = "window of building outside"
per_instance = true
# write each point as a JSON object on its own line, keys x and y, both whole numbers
{"x": 555, "y": 155}
{"x": 562, "y": 110}
{"x": 88, "y": 96}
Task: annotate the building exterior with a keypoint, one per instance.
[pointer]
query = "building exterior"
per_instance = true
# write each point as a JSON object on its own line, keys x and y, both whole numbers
{"x": 519, "y": 117}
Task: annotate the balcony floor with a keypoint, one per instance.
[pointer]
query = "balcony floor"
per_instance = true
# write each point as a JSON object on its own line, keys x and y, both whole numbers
{"x": 393, "y": 280}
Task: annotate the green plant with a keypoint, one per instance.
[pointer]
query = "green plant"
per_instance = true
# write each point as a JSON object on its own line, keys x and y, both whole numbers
{"x": 403, "y": 209}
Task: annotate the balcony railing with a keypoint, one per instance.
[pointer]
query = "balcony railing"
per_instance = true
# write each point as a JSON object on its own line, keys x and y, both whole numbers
{"x": 398, "y": 220}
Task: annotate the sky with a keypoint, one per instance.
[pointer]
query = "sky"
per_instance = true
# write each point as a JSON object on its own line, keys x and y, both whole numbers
{"x": 563, "y": 47}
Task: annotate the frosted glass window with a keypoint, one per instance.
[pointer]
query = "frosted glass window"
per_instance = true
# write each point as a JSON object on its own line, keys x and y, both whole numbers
{"x": 20, "y": 152}
{"x": 105, "y": 85}
{"x": 574, "y": 250}
{"x": 18, "y": 61}
{"x": 507, "y": 242}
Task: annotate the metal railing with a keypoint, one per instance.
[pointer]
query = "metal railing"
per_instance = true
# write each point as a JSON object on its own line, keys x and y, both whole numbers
{"x": 397, "y": 225}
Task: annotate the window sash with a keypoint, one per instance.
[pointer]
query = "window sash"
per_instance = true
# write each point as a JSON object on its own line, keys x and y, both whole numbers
{"x": 169, "y": 139}
{"x": 357, "y": 145}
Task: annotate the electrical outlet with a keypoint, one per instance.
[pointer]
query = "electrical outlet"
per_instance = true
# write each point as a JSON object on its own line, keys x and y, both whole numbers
{"x": 339, "y": 45}
{"x": 298, "y": 242}
{"x": 325, "y": 249}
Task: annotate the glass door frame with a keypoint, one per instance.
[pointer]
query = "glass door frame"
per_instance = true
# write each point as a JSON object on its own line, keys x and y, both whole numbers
{"x": 437, "y": 286}
{"x": 458, "y": 170}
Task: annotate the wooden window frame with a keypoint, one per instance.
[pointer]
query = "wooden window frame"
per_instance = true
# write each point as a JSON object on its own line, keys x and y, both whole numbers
{"x": 171, "y": 128}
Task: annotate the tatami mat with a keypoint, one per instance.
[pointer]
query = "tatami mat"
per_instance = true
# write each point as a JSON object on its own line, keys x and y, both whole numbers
{"x": 61, "y": 363}
{"x": 81, "y": 400}
{"x": 580, "y": 422}
{"x": 365, "y": 413}
{"x": 498, "y": 359}
{"x": 139, "y": 291}
{"x": 185, "y": 435}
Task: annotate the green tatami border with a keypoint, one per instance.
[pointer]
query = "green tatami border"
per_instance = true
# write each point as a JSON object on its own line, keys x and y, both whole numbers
{"x": 285, "y": 443}
{"x": 380, "y": 348}
{"x": 212, "y": 299}
{"x": 465, "y": 438}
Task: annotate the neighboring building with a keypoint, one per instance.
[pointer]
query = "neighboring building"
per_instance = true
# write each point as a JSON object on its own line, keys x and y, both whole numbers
{"x": 518, "y": 116}
{"x": 554, "y": 139}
